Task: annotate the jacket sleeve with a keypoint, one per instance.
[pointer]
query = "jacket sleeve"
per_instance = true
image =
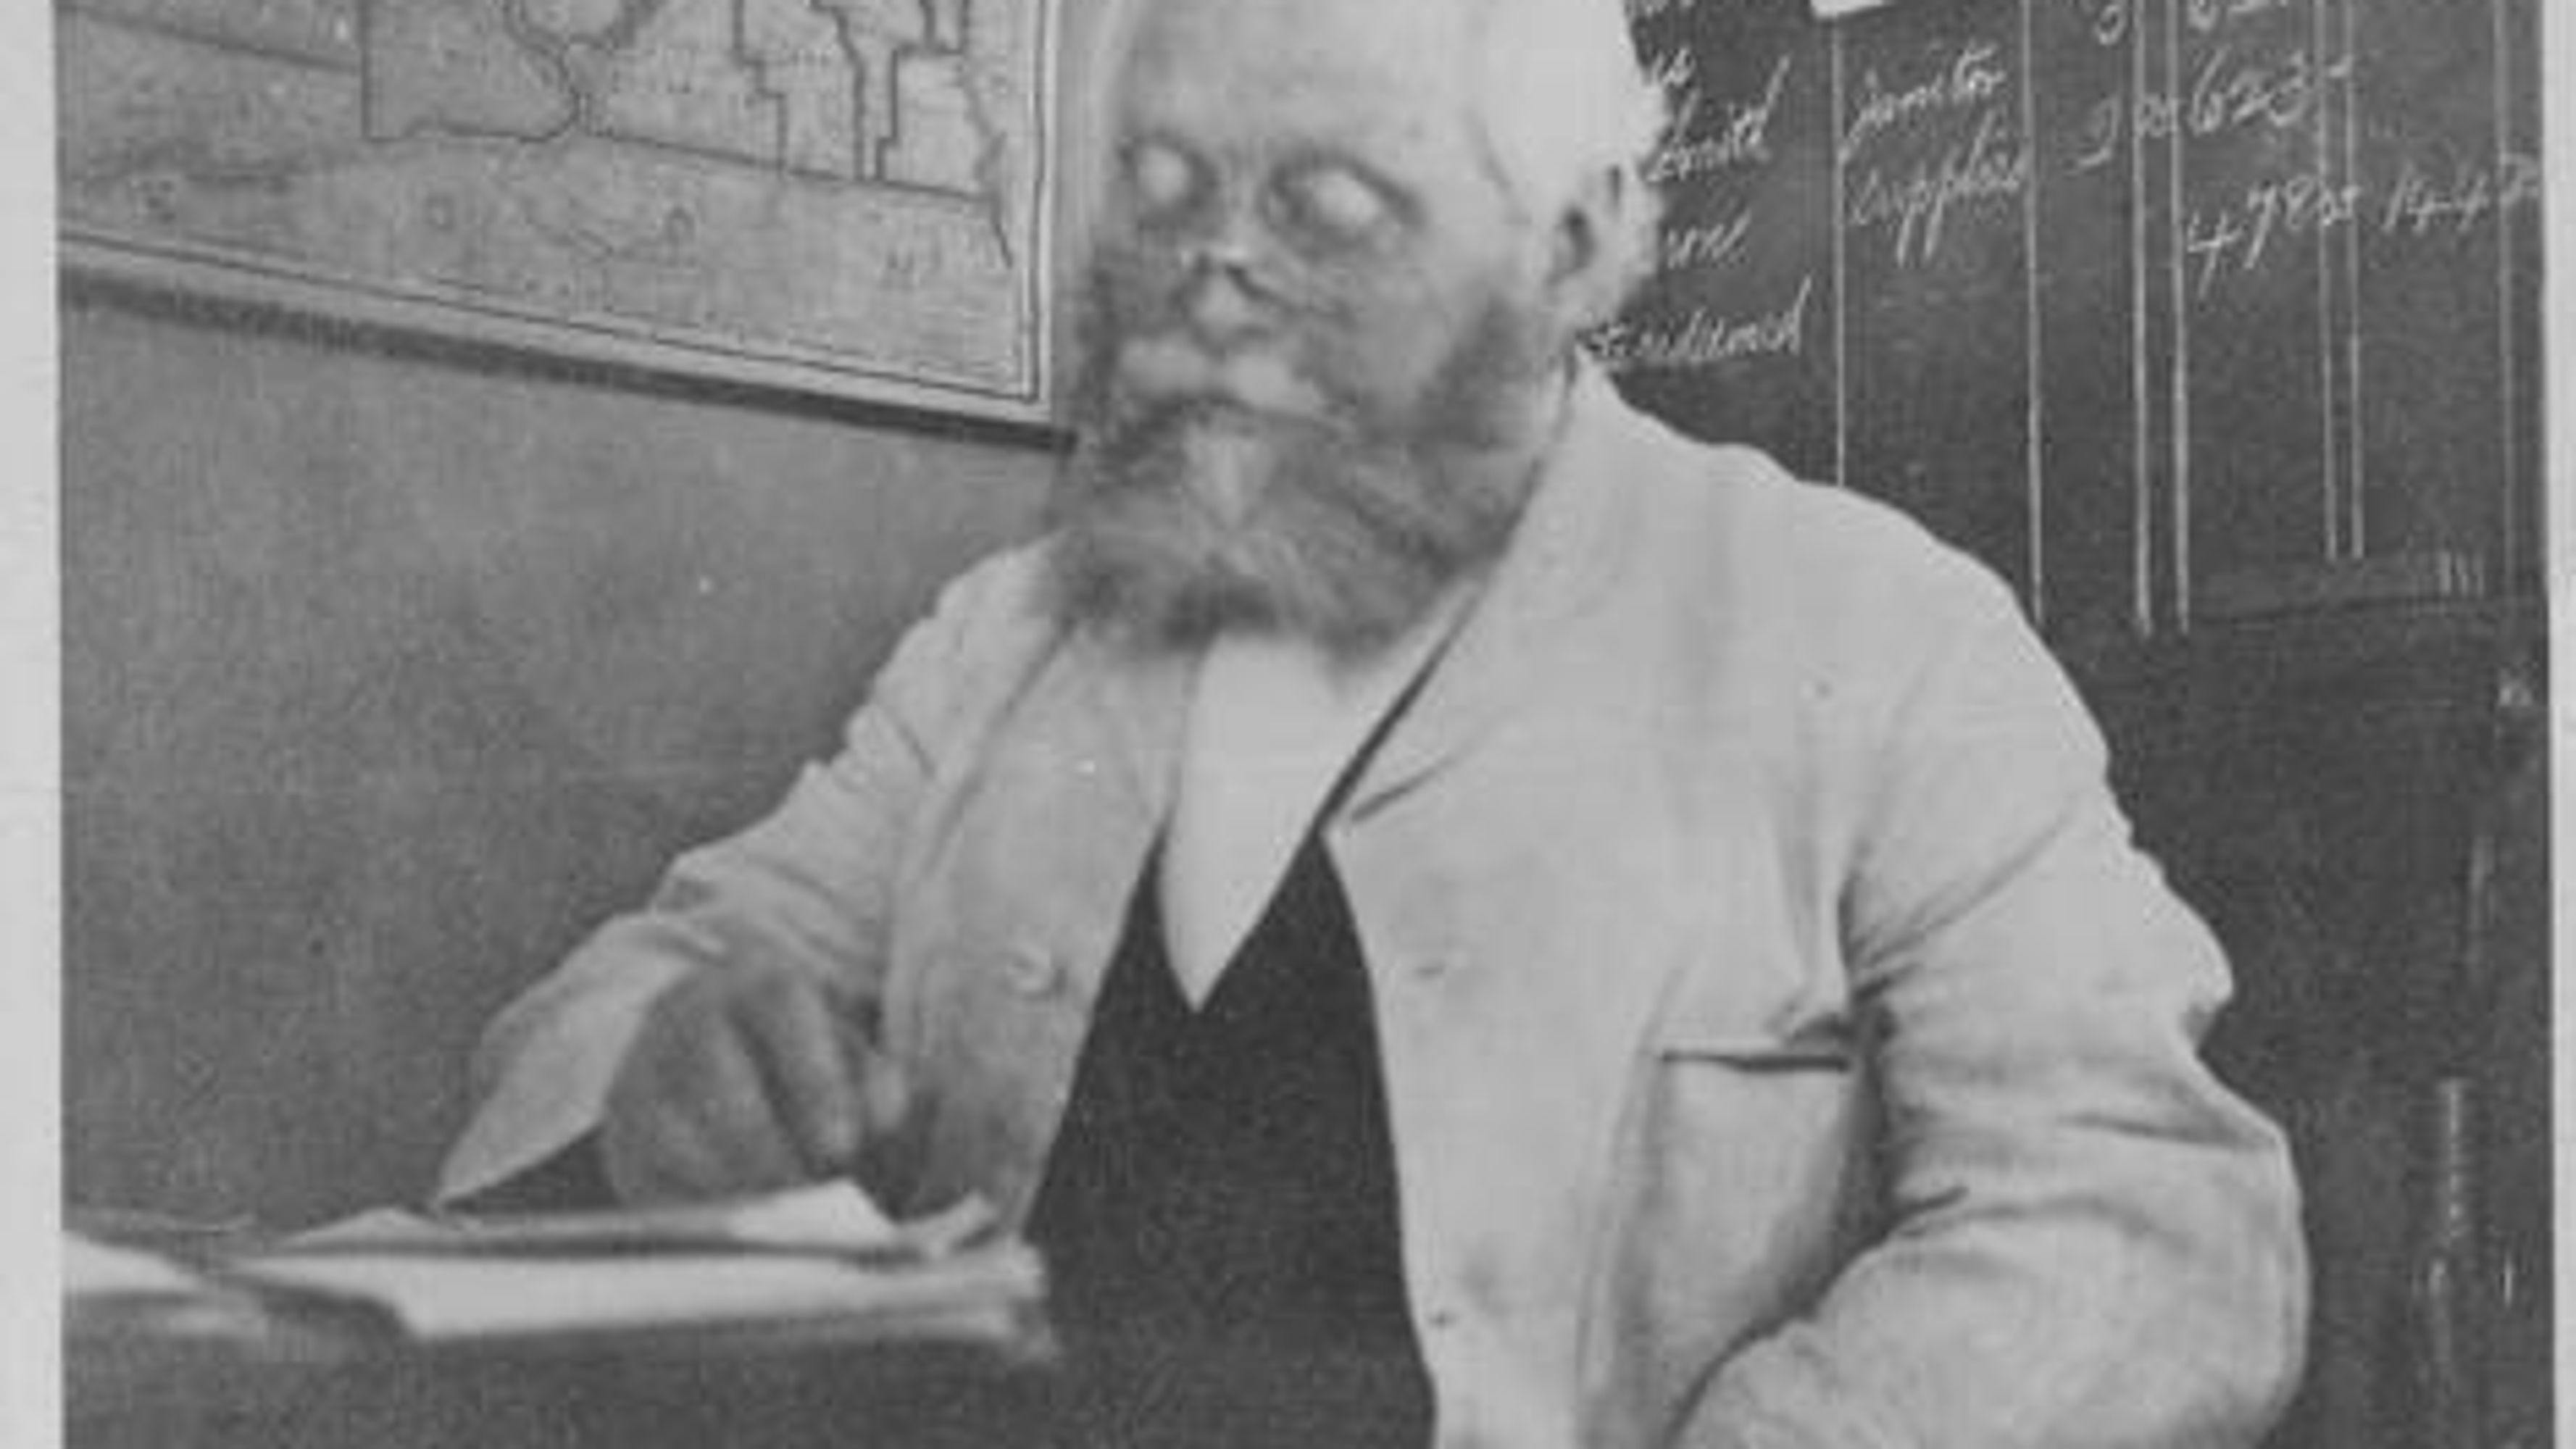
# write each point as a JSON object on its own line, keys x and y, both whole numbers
{"x": 810, "y": 884}
{"x": 2091, "y": 1241}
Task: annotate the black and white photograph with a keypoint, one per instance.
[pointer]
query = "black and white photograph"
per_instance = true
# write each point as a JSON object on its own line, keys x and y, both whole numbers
{"x": 1289, "y": 724}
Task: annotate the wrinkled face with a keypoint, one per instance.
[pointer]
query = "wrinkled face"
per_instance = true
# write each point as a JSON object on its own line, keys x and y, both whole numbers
{"x": 1316, "y": 337}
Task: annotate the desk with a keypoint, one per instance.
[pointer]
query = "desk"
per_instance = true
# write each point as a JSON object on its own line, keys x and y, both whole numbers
{"x": 283, "y": 1385}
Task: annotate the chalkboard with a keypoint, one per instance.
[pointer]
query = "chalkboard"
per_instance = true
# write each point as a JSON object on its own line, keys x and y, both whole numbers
{"x": 2167, "y": 309}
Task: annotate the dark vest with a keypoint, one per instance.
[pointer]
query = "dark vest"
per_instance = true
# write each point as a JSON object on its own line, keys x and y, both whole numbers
{"x": 1219, "y": 1211}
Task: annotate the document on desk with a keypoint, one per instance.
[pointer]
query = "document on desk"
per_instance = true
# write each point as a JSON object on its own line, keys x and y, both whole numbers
{"x": 94, "y": 1271}
{"x": 110, "y": 1286}
{"x": 810, "y": 1255}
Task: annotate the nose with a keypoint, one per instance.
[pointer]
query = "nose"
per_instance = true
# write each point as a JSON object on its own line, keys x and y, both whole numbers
{"x": 1222, "y": 297}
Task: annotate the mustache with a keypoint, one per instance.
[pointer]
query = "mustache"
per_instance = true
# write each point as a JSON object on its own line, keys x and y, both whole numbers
{"x": 1137, "y": 354}
{"x": 1164, "y": 368}
{"x": 1344, "y": 545}
{"x": 1366, "y": 505}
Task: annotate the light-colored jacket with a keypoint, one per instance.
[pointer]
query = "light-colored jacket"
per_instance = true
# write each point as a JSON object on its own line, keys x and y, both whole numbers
{"x": 1784, "y": 1045}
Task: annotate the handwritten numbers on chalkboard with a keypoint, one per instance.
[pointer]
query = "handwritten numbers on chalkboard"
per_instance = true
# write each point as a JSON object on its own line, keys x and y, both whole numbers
{"x": 2149, "y": 303}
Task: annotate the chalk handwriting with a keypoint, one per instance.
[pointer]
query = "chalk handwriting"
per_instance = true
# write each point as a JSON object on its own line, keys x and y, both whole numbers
{"x": 2228, "y": 92}
{"x": 1971, "y": 77}
{"x": 1705, "y": 338}
{"x": 2107, "y": 122}
{"x": 2420, "y": 204}
{"x": 1674, "y": 72}
{"x": 2241, "y": 235}
{"x": 1988, "y": 165}
{"x": 1704, "y": 244}
{"x": 2110, "y": 19}
{"x": 1738, "y": 132}
{"x": 1650, "y": 9}
{"x": 2204, "y": 16}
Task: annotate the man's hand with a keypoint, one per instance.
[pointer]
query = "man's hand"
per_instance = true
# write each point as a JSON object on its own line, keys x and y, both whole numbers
{"x": 748, "y": 1077}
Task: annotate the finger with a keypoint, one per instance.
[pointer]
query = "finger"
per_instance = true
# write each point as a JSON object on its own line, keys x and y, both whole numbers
{"x": 882, "y": 1089}
{"x": 652, "y": 1147}
{"x": 658, "y": 1160}
{"x": 689, "y": 1111}
{"x": 729, "y": 1112}
{"x": 884, "y": 1093}
{"x": 797, "y": 1046}
{"x": 890, "y": 1148}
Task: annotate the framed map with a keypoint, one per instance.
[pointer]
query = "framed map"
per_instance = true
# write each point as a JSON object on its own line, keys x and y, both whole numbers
{"x": 845, "y": 196}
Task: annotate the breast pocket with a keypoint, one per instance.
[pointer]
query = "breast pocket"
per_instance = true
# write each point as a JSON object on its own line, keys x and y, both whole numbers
{"x": 1754, "y": 1177}
{"x": 1746, "y": 1178}
{"x": 1823, "y": 1046}
{"x": 1767, "y": 1113}
{"x": 1755, "y": 1129}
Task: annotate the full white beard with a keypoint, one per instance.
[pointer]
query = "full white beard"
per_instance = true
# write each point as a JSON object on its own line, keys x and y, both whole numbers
{"x": 1226, "y": 470}
{"x": 1180, "y": 516}
{"x": 1199, "y": 524}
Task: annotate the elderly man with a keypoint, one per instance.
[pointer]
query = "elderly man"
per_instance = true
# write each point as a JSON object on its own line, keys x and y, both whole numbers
{"x": 1452, "y": 914}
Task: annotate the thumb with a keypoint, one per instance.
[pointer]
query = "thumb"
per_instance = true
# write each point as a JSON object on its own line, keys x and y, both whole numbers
{"x": 885, "y": 1094}
{"x": 890, "y": 1120}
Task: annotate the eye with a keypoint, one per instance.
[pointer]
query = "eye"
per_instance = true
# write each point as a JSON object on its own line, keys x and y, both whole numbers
{"x": 1163, "y": 179}
{"x": 1334, "y": 204}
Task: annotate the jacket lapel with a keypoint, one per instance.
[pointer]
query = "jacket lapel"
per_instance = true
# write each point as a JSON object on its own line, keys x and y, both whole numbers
{"x": 1557, "y": 565}
{"x": 1030, "y": 895}
{"x": 1140, "y": 701}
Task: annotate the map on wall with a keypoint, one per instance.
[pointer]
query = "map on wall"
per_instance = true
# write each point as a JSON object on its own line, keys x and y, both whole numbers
{"x": 848, "y": 196}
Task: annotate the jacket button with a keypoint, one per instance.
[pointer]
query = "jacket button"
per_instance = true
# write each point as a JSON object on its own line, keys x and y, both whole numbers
{"x": 1031, "y": 969}
{"x": 1431, "y": 965}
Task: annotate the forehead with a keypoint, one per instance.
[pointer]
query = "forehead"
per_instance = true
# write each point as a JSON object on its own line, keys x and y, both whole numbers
{"x": 1381, "y": 74}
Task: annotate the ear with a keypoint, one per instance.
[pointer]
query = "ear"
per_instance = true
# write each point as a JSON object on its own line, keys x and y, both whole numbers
{"x": 1588, "y": 269}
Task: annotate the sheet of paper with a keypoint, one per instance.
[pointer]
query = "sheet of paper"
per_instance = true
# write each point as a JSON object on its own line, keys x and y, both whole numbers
{"x": 820, "y": 1252}
{"x": 831, "y": 1218}
{"x": 451, "y": 1296}
{"x": 96, "y": 1271}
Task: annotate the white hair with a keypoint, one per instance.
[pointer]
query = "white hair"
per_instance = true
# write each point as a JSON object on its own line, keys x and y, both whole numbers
{"x": 1556, "y": 94}
{"x": 1563, "y": 102}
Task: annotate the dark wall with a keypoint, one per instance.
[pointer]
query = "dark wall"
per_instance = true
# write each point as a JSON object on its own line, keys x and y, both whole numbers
{"x": 386, "y": 675}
